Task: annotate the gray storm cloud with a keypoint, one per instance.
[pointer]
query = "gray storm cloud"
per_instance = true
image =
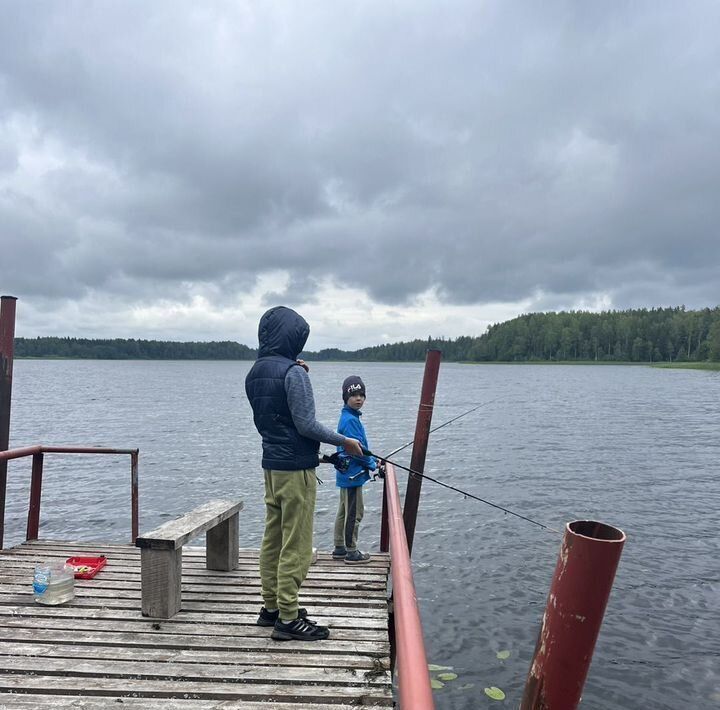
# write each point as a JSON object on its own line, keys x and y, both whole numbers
{"x": 494, "y": 151}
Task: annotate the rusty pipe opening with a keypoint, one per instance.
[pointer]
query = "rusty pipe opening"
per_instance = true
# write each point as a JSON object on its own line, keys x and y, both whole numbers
{"x": 596, "y": 531}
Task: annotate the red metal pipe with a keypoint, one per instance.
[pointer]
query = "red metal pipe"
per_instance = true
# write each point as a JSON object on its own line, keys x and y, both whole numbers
{"x": 39, "y": 449}
{"x": 579, "y": 592}
{"x": 19, "y": 453}
{"x": 33, "y": 521}
{"x": 85, "y": 450}
{"x": 7, "y": 349}
{"x": 422, "y": 434}
{"x": 414, "y": 688}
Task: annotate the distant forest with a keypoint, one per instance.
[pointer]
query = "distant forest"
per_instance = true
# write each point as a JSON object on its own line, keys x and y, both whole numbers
{"x": 655, "y": 335}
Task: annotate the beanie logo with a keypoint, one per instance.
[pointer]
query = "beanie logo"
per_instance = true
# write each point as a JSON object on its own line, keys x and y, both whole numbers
{"x": 354, "y": 388}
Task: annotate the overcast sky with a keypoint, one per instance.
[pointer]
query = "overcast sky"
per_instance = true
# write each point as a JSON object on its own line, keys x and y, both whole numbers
{"x": 389, "y": 169}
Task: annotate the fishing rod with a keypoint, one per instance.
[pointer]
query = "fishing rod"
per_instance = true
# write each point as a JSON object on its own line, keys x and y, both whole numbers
{"x": 459, "y": 490}
{"x": 440, "y": 426}
{"x": 336, "y": 460}
{"x": 342, "y": 464}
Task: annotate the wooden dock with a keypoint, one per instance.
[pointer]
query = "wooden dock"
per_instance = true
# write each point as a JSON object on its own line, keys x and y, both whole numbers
{"x": 98, "y": 651}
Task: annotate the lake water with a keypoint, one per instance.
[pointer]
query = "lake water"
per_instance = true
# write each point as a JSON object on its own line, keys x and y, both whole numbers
{"x": 635, "y": 447}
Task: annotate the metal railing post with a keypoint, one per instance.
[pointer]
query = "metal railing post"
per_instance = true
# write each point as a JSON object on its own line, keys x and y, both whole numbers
{"x": 33, "y": 521}
{"x": 7, "y": 348}
{"x": 134, "y": 495}
{"x": 384, "y": 529}
{"x": 422, "y": 433}
{"x": 579, "y": 592}
{"x": 37, "y": 452}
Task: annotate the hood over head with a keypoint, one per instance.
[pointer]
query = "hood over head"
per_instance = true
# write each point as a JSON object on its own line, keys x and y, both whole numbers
{"x": 282, "y": 331}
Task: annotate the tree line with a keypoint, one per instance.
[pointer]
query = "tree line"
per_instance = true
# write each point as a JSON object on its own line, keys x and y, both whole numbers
{"x": 640, "y": 335}
{"x": 131, "y": 349}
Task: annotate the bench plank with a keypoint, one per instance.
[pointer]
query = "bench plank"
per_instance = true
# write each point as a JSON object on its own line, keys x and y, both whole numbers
{"x": 175, "y": 533}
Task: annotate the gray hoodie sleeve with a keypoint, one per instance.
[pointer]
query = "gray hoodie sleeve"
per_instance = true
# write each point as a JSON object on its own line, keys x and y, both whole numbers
{"x": 302, "y": 408}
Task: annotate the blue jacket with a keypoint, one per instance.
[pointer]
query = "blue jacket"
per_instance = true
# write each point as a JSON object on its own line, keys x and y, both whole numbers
{"x": 282, "y": 334}
{"x": 350, "y": 425}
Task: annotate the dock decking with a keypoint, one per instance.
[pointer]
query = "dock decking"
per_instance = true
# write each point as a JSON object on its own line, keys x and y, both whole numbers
{"x": 98, "y": 651}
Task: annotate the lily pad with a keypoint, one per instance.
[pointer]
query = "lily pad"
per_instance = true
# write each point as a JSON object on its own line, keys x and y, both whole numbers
{"x": 494, "y": 693}
{"x": 447, "y": 676}
{"x": 502, "y": 655}
{"x": 433, "y": 667}
{"x": 436, "y": 684}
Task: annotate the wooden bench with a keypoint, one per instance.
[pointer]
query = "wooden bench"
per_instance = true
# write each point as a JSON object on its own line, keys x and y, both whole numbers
{"x": 161, "y": 553}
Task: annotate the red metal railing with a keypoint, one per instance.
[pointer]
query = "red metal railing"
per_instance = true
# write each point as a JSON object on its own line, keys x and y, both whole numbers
{"x": 414, "y": 689}
{"x": 37, "y": 453}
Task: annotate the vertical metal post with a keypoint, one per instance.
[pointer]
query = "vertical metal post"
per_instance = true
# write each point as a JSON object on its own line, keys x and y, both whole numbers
{"x": 7, "y": 348}
{"x": 33, "y": 521}
{"x": 384, "y": 528}
{"x": 134, "y": 494}
{"x": 579, "y": 592}
{"x": 422, "y": 433}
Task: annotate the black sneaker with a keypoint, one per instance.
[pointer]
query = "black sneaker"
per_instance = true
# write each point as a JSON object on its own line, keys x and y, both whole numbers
{"x": 299, "y": 630}
{"x": 355, "y": 557}
{"x": 339, "y": 553}
{"x": 268, "y": 618}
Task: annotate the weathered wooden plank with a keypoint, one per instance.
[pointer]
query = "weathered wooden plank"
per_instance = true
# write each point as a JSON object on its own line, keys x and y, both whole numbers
{"x": 348, "y": 601}
{"x": 22, "y": 574}
{"x": 13, "y": 701}
{"x": 291, "y": 675}
{"x": 377, "y": 695}
{"x": 38, "y": 612}
{"x": 196, "y": 549}
{"x": 373, "y": 614}
{"x": 195, "y": 565}
{"x": 312, "y": 658}
{"x": 175, "y": 533}
{"x": 216, "y": 643}
{"x": 147, "y": 626}
{"x": 161, "y": 582}
{"x": 231, "y": 585}
{"x": 108, "y": 575}
{"x": 352, "y": 596}
{"x": 223, "y": 543}
{"x": 378, "y": 559}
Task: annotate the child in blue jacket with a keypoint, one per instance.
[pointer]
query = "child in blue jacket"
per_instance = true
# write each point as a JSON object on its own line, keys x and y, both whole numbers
{"x": 350, "y": 481}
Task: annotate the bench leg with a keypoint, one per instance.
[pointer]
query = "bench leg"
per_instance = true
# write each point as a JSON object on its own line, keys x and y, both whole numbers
{"x": 160, "y": 575}
{"x": 223, "y": 544}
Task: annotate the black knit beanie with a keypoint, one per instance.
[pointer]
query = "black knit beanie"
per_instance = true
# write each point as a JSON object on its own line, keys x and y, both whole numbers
{"x": 352, "y": 385}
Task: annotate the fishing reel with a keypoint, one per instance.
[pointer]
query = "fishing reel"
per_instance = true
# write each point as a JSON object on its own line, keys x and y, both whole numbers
{"x": 341, "y": 463}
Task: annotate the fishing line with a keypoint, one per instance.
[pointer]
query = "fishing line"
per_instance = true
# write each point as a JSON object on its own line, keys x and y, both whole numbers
{"x": 450, "y": 421}
{"x": 334, "y": 459}
{"x": 459, "y": 490}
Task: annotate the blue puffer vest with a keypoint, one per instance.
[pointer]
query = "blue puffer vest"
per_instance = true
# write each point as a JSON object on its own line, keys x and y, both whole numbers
{"x": 282, "y": 335}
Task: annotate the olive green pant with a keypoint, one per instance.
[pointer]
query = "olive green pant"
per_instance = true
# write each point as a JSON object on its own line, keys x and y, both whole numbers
{"x": 347, "y": 521}
{"x": 286, "y": 550}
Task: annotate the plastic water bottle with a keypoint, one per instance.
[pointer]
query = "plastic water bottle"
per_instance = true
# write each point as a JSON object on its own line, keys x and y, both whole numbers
{"x": 54, "y": 583}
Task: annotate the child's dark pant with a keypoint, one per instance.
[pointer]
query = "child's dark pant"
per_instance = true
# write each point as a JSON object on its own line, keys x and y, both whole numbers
{"x": 350, "y": 513}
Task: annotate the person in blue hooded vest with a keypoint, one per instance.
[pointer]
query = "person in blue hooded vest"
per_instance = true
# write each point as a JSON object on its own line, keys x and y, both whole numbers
{"x": 283, "y": 404}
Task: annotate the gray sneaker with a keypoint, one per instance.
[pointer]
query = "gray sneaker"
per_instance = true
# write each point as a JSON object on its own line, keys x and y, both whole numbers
{"x": 355, "y": 557}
